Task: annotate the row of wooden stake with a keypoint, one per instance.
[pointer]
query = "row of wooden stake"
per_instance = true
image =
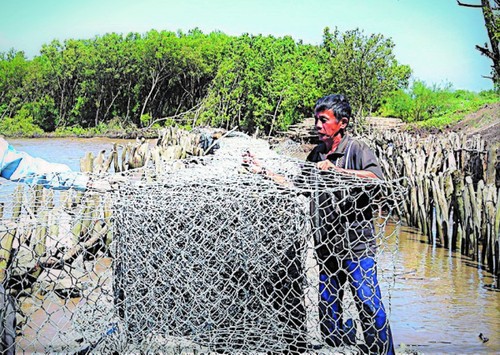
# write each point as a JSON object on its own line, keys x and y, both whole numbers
{"x": 454, "y": 195}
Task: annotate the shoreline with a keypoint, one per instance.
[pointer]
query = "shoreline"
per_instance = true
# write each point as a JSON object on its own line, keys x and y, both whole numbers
{"x": 113, "y": 135}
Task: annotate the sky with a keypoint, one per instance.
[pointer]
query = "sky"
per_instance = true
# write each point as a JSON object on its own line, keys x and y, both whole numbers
{"x": 436, "y": 38}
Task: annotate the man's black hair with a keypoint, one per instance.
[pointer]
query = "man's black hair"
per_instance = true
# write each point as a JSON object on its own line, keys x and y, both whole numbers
{"x": 337, "y": 103}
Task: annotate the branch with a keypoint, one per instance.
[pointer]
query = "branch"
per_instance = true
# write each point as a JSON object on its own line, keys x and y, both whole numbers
{"x": 275, "y": 113}
{"x": 217, "y": 140}
{"x": 485, "y": 51}
{"x": 468, "y": 5}
{"x": 479, "y": 6}
{"x": 171, "y": 117}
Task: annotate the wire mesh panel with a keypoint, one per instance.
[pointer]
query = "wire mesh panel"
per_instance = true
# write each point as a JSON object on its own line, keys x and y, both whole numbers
{"x": 223, "y": 259}
{"x": 54, "y": 263}
{"x": 200, "y": 256}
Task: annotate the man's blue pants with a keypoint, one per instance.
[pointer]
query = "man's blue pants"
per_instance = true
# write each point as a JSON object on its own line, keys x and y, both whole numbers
{"x": 362, "y": 277}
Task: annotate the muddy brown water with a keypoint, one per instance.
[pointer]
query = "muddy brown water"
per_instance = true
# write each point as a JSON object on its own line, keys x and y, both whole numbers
{"x": 440, "y": 301}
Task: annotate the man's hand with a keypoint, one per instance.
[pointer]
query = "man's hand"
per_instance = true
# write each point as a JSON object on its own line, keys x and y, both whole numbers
{"x": 327, "y": 165}
{"x": 253, "y": 164}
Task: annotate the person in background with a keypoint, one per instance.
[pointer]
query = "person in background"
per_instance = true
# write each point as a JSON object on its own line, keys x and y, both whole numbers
{"x": 20, "y": 166}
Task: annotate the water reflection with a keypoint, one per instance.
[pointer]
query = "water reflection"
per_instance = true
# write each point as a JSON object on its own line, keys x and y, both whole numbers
{"x": 441, "y": 301}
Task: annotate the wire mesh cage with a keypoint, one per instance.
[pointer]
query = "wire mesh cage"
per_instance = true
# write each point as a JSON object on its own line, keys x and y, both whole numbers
{"x": 200, "y": 255}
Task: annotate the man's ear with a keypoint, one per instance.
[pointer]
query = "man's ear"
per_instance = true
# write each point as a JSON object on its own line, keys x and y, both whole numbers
{"x": 344, "y": 122}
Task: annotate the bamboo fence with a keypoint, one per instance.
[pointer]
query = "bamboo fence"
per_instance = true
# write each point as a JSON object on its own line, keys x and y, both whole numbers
{"x": 172, "y": 144}
{"x": 454, "y": 195}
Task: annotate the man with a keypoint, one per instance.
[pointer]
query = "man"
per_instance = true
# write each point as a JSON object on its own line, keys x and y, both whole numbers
{"x": 345, "y": 242}
{"x": 344, "y": 238}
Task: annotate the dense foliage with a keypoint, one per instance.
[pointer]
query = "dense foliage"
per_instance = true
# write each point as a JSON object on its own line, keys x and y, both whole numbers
{"x": 255, "y": 82}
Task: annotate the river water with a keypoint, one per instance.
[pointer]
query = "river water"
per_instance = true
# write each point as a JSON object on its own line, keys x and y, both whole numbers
{"x": 67, "y": 151}
{"x": 440, "y": 301}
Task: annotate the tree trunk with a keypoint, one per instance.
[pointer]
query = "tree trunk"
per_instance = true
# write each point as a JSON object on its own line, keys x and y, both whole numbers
{"x": 490, "y": 21}
{"x": 156, "y": 79}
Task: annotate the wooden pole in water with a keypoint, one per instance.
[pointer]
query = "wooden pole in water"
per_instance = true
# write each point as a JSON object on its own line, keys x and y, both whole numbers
{"x": 6, "y": 241}
{"x": 490, "y": 171}
{"x": 469, "y": 213}
{"x": 448, "y": 200}
{"x": 478, "y": 217}
{"x": 489, "y": 195}
{"x": 114, "y": 155}
{"x": 38, "y": 245}
{"x": 107, "y": 220}
{"x": 458, "y": 209}
{"x": 439, "y": 211}
{"x": 87, "y": 163}
{"x": 18, "y": 201}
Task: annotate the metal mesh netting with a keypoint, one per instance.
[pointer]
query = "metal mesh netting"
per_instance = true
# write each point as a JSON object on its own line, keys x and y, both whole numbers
{"x": 55, "y": 267}
{"x": 202, "y": 256}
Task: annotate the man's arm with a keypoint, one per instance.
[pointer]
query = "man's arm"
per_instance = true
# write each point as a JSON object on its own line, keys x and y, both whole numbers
{"x": 363, "y": 174}
{"x": 364, "y": 161}
{"x": 20, "y": 166}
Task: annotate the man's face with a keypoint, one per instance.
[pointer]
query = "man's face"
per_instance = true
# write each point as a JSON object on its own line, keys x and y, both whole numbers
{"x": 327, "y": 126}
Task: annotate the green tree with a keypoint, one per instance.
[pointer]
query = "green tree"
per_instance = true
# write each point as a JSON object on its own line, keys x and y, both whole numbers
{"x": 264, "y": 83}
{"x": 64, "y": 64}
{"x": 259, "y": 83}
{"x": 13, "y": 69}
{"x": 362, "y": 67}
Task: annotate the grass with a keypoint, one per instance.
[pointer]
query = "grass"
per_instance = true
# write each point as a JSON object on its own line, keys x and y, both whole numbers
{"x": 435, "y": 107}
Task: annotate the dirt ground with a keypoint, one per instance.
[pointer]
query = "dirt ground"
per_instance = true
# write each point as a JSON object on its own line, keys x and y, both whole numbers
{"x": 485, "y": 121}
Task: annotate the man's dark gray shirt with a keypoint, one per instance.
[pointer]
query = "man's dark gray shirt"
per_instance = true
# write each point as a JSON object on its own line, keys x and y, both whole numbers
{"x": 345, "y": 227}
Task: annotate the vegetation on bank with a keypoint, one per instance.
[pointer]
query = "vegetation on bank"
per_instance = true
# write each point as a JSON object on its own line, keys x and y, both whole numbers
{"x": 259, "y": 83}
{"x": 119, "y": 85}
{"x": 434, "y": 106}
